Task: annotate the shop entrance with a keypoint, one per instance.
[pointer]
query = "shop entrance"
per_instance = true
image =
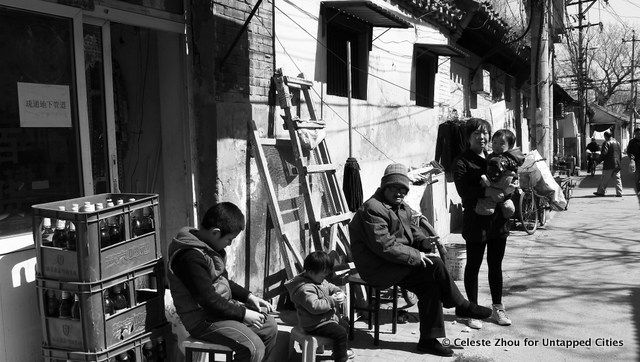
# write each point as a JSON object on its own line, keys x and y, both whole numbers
{"x": 138, "y": 125}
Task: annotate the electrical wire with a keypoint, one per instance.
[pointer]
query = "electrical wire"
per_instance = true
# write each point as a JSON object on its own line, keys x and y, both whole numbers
{"x": 329, "y": 106}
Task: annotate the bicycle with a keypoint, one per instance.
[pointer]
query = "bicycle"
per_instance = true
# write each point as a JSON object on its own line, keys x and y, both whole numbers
{"x": 533, "y": 208}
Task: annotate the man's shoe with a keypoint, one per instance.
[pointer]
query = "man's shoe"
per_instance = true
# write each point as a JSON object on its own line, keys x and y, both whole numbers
{"x": 433, "y": 346}
{"x": 598, "y": 194}
{"x": 473, "y": 311}
{"x": 500, "y": 315}
{"x": 474, "y": 323}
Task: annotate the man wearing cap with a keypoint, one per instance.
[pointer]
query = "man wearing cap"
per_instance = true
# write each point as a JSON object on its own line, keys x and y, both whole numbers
{"x": 610, "y": 157}
{"x": 387, "y": 249}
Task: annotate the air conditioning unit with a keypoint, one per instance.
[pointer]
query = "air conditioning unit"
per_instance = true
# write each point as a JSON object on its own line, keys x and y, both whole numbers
{"x": 481, "y": 82}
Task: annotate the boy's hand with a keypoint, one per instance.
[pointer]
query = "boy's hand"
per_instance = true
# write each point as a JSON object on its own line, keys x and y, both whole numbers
{"x": 253, "y": 318}
{"x": 259, "y": 303}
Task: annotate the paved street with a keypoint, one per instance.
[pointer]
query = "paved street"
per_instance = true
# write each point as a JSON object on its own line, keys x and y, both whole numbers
{"x": 577, "y": 279}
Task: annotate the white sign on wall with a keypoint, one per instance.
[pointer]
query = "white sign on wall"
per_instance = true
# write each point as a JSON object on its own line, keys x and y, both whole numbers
{"x": 44, "y": 105}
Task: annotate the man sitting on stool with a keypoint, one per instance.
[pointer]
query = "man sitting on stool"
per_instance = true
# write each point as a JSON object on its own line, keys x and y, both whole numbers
{"x": 386, "y": 251}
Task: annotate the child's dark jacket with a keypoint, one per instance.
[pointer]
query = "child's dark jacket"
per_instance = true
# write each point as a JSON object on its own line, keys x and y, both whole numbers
{"x": 199, "y": 283}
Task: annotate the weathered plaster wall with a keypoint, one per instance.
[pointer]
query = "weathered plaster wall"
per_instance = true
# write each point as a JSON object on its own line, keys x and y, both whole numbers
{"x": 388, "y": 126}
{"x": 226, "y": 97}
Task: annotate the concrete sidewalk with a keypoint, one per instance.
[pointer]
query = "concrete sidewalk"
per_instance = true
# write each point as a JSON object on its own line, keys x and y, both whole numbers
{"x": 572, "y": 290}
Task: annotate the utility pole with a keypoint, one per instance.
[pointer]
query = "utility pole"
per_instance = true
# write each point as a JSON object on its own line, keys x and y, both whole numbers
{"x": 539, "y": 104}
{"x": 632, "y": 115}
{"x": 544, "y": 124}
{"x": 582, "y": 99}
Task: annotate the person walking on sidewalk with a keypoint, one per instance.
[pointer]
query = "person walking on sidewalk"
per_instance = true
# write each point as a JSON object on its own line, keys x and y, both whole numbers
{"x": 481, "y": 232}
{"x": 633, "y": 151}
{"x": 610, "y": 157}
{"x": 389, "y": 249}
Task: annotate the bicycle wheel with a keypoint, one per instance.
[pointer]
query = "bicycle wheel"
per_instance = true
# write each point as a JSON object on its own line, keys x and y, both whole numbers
{"x": 528, "y": 211}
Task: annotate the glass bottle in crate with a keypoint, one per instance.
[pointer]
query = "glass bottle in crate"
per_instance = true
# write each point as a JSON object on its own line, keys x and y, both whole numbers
{"x": 126, "y": 356}
{"x": 72, "y": 237}
{"x": 103, "y": 228}
{"x": 147, "y": 222}
{"x": 112, "y": 225}
{"x": 109, "y": 308}
{"x": 59, "y": 238}
{"x": 52, "y": 304}
{"x": 75, "y": 309}
{"x": 47, "y": 232}
{"x": 120, "y": 220}
{"x": 66, "y": 305}
{"x": 119, "y": 299}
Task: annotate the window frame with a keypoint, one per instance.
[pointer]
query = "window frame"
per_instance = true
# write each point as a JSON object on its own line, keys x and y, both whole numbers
{"x": 336, "y": 23}
{"x": 426, "y": 69}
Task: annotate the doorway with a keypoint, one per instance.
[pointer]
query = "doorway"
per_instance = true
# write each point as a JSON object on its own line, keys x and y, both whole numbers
{"x": 138, "y": 119}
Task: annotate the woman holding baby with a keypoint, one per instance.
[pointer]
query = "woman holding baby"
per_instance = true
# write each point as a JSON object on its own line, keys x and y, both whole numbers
{"x": 485, "y": 225}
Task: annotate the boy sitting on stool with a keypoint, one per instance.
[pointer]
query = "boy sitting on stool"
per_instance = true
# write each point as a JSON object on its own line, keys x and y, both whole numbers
{"x": 212, "y": 307}
{"x": 316, "y": 299}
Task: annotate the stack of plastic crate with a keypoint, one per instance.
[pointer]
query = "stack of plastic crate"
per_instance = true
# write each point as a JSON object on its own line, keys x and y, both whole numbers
{"x": 101, "y": 297}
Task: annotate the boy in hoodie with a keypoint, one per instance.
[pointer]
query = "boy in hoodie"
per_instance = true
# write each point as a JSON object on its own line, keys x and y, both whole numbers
{"x": 315, "y": 300}
{"x": 212, "y": 307}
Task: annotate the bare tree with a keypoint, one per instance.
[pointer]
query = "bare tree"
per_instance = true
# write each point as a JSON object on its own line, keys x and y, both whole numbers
{"x": 607, "y": 65}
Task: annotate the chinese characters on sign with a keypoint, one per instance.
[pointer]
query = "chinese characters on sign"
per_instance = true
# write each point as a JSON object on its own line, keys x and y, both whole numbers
{"x": 44, "y": 105}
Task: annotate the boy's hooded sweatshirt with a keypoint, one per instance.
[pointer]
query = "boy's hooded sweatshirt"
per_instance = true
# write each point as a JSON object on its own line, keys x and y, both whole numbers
{"x": 313, "y": 305}
{"x": 199, "y": 283}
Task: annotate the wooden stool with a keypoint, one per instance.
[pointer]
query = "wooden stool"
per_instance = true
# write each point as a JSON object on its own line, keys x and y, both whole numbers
{"x": 373, "y": 309}
{"x": 191, "y": 345}
{"x": 309, "y": 344}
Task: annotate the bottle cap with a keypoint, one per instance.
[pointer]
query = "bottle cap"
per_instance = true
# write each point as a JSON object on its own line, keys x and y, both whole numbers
{"x": 120, "y": 202}
{"x": 99, "y": 206}
{"x": 62, "y": 208}
{"x": 65, "y": 294}
{"x": 46, "y": 222}
{"x": 72, "y": 226}
{"x": 132, "y": 199}
{"x": 75, "y": 207}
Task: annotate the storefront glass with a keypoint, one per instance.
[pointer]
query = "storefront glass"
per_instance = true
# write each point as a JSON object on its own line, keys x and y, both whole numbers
{"x": 38, "y": 116}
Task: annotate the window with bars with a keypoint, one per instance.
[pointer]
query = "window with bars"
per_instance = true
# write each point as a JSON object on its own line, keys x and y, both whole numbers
{"x": 426, "y": 69}
{"x": 340, "y": 30}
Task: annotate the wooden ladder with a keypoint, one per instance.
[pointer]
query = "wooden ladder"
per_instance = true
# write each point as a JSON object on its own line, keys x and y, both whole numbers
{"x": 315, "y": 162}
{"x": 333, "y": 225}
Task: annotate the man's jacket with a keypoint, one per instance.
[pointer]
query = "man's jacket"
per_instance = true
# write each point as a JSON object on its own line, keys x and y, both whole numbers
{"x": 384, "y": 243}
{"x": 611, "y": 154}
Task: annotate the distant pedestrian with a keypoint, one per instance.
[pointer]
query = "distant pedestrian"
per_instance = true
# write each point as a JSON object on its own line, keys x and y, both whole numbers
{"x": 610, "y": 156}
{"x": 593, "y": 150}
{"x": 633, "y": 150}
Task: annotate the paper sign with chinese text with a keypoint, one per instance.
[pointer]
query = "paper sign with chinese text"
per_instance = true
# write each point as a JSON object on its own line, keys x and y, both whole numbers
{"x": 44, "y": 105}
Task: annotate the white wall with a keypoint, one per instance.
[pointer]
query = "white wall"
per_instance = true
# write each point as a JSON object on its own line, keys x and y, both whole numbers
{"x": 388, "y": 126}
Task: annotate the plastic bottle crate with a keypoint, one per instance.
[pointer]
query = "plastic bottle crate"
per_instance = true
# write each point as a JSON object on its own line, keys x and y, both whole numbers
{"x": 91, "y": 262}
{"x": 135, "y": 348}
{"x": 95, "y": 329}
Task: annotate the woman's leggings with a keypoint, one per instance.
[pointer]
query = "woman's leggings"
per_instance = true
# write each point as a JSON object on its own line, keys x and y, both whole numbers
{"x": 475, "y": 254}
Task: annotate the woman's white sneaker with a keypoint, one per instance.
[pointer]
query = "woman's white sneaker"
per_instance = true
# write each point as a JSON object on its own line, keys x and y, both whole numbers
{"x": 500, "y": 315}
{"x": 474, "y": 323}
